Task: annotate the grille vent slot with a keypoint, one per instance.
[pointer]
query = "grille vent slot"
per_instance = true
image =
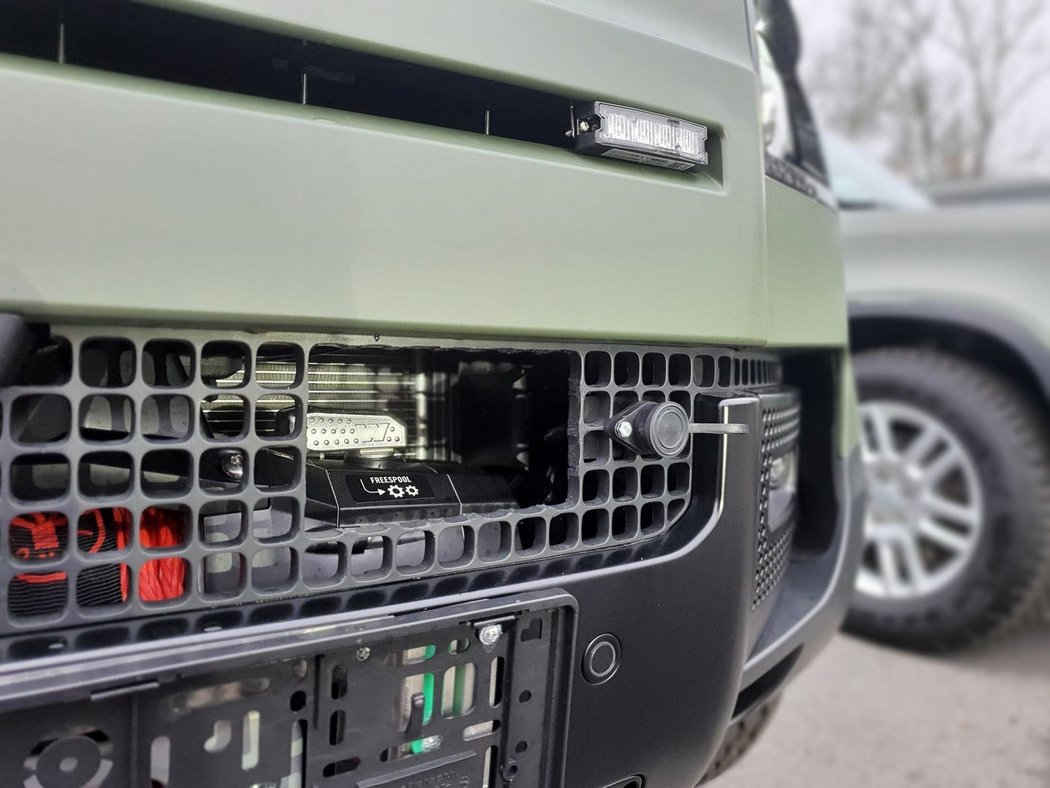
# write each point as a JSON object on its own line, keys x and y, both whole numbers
{"x": 182, "y": 48}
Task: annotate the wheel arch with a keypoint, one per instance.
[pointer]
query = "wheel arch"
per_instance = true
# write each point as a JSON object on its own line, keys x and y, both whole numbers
{"x": 982, "y": 336}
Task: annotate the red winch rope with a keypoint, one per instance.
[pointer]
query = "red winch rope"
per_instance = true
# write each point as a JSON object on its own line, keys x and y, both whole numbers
{"x": 101, "y": 530}
{"x": 161, "y": 578}
{"x": 40, "y": 536}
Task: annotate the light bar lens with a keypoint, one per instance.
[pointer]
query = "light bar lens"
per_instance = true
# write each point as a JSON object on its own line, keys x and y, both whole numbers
{"x": 651, "y": 132}
{"x": 642, "y": 137}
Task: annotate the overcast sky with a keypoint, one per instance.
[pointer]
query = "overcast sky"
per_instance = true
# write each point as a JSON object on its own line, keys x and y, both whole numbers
{"x": 1027, "y": 126}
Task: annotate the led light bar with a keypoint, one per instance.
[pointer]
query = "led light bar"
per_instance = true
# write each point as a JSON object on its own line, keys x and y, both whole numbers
{"x": 635, "y": 135}
{"x": 342, "y": 431}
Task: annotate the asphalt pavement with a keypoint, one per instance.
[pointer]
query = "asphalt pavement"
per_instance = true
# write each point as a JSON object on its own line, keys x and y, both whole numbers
{"x": 864, "y": 715}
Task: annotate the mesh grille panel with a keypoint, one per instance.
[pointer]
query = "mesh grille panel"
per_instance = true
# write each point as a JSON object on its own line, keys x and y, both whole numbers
{"x": 781, "y": 420}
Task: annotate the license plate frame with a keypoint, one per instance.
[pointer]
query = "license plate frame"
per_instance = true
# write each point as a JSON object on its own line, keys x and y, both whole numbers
{"x": 316, "y": 705}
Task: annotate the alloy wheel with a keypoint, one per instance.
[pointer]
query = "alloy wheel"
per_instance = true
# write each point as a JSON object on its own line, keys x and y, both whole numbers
{"x": 925, "y": 513}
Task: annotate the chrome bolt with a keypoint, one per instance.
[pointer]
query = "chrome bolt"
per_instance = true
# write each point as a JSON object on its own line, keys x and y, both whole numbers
{"x": 489, "y": 634}
{"x": 233, "y": 466}
{"x": 585, "y": 126}
{"x": 624, "y": 429}
{"x": 509, "y": 771}
{"x": 363, "y": 654}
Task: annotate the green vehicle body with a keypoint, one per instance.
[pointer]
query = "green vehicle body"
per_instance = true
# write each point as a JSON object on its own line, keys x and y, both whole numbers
{"x": 363, "y": 203}
{"x": 135, "y": 202}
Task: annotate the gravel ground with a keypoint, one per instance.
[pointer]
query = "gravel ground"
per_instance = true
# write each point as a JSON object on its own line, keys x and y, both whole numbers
{"x": 864, "y": 715}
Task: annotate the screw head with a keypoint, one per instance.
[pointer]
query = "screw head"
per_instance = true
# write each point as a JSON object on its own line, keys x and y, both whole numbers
{"x": 233, "y": 466}
{"x": 363, "y": 654}
{"x": 509, "y": 771}
{"x": 623, "y": 429}
{"x": 585, "y": 126}
{"x": 489, "y": 634}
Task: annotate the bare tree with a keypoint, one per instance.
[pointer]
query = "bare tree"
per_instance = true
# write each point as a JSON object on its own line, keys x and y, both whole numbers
{"x": 858, "y": 76}
{"x": 987, "y": 56}
{"x": 932, "y": 79}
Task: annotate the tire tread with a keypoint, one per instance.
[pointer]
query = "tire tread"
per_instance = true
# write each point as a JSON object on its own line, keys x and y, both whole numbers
{"x": 1025, "y": 595}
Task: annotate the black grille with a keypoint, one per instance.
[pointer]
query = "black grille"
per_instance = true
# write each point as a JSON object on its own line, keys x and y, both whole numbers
{"x": 127, "y": 428}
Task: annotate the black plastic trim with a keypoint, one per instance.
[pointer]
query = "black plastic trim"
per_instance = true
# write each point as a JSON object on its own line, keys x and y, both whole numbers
{"x": 682, "y": 617}
{"x": 794, "y": 177}
{"x": 818, "y": 587}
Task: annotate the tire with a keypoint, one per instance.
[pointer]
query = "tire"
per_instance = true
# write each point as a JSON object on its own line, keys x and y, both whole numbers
{"x": 740, "y": 737}
{"x": 1002, "y": 578}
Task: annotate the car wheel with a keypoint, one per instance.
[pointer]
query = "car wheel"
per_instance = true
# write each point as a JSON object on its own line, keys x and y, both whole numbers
{"x": 740, "y": 737}
{"x": 957, "y": 533}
